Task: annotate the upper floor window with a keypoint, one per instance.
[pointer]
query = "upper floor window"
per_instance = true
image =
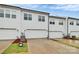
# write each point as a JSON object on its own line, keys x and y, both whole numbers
{"x": 52, "y": 22}
{"x": 7, "y": 14}
{"x": 77, "y": 23}
{"x": 60, "y": 22}
{"x": 41, "y": 18}
{"x": 1, "y": 13}
{"x": 13, "y": 14}
{"x": 71, "y": 23}
{"x": 27, "y": 16}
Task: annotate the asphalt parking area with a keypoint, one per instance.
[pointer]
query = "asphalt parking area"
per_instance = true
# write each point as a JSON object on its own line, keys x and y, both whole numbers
{"x": 44, "y": 46}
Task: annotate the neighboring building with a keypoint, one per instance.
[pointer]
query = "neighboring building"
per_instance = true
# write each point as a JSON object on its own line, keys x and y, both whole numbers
{"x": 57, "y": 27}
{"x": 73, "y": 27}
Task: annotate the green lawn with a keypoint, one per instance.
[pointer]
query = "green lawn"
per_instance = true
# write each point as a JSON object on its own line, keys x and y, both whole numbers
{"x": 15, "y": 49}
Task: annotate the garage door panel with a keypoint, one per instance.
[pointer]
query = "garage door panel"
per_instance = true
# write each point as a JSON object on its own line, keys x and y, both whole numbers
{"x": 36, "y": 34}
{"x": 55, "y": 35}
{"x": 74, "y": 34}
{"x": 8, "y": 34}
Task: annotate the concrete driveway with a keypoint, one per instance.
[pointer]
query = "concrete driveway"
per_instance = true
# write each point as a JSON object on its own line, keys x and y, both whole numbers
{"x": 44, "y": 46}
{"x": 4, "y": 44}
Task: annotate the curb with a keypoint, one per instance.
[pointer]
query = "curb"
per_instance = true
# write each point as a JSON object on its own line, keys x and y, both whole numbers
{"x": 29, "y": 51}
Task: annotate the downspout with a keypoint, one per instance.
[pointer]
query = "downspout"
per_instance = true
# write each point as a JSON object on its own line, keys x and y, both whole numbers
{"x": 21, "y": 23}
{"x": 67, "y": 27}
{"x": 48, "y": 27}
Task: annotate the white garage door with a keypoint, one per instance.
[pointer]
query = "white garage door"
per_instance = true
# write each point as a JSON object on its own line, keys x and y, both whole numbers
{"x": 8, "y": 34}
{"x": 35, "y": 34}
{"x": 74, "y": 34}
{"x": 55, "y": 35}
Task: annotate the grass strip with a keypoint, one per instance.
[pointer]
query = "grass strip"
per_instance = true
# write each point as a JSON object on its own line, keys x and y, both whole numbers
{"x": 15, "y": 49}
{"x": 67, "y": 44}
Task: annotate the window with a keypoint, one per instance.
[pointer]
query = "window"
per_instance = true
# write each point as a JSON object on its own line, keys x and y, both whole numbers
{"x": 30, "y": 17}
{"x": 14, "y": 14}
{"x": 61, "y": 23}
{"x": 27, "y": 16}
{"x": 7, "y": 14}
{"x": 41, "y": 18}
{"x": 77, "y": 23}
{"x": 1, "y": 13}
{"x": 52, "y": 22}
{"x": 71, "y": 23}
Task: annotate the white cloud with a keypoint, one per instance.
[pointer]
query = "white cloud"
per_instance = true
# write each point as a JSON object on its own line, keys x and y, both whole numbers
{"x": 67, "y": 7}
{"x": 32, "y": 6}
{"x": 28, "y": 6}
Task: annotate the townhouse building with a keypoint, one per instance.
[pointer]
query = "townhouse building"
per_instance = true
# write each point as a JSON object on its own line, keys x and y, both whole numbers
{"x": 34, "y": 24}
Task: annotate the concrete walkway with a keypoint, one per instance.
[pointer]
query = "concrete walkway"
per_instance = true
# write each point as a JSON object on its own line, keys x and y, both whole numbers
{"x": 4, "y": 44}
{"x": 44, "y": 46}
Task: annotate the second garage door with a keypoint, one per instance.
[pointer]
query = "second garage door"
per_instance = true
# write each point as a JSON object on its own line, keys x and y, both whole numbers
{"x": 74, "y": 34}
{"x": 35, "y": 34}
{"x": 55, "y": 35}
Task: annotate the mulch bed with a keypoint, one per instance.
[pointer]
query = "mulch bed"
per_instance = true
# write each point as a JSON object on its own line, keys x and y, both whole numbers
{"x": 18, "y": 40}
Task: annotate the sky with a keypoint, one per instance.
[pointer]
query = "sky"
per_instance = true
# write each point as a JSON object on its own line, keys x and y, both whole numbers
{"x": 65, "y": 10}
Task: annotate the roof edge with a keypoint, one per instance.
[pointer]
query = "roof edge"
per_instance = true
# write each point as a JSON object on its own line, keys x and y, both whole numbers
{"x": 58, "y": 17}
{"x": 73, "y": 18}
{"x": 23, "y": 8}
